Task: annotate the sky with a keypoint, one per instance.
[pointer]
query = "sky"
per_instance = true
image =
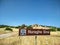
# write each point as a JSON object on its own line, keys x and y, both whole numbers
{"x": 17, "y": 12}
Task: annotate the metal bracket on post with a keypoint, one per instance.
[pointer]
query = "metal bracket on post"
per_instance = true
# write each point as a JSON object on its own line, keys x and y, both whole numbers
{"x": 36, "y": 40}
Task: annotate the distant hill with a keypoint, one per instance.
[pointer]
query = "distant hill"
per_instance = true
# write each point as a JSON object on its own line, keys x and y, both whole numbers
{"x": 51, "y": 27}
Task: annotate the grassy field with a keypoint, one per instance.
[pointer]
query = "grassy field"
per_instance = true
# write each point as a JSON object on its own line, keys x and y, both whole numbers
{"x": 53, "y": 39}
{"x": 2, "y": 30}
{"x": 30, "y": 40}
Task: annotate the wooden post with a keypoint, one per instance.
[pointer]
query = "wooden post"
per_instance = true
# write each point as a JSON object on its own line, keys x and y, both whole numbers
{"x": 35, "y": 40}
{"x": 19, "y": 36}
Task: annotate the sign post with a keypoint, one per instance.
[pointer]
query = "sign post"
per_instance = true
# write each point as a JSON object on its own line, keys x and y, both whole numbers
{"x": 35, "y": 40}
{"x": 29, "y": 32}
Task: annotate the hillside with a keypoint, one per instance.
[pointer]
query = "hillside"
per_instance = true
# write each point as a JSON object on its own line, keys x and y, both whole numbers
{"x": 30, "y": 26}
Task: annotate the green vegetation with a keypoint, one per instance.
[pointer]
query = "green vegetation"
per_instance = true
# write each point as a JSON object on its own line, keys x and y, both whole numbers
{"x": 2, "y": 26}
{"x": 30, "y": 27}
{"x": 58, "y": 29}
{"x": 17, "y": 27}
{"x": 23, "y": 26}
{"x": 52, "y": 29}
{"x": 8, "y": 29}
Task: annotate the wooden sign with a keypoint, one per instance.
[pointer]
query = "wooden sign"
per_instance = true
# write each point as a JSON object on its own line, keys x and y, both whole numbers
{"x": 27, "y": 32}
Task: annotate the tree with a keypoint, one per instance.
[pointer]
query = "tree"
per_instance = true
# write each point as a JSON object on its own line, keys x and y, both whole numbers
{"x": 29, "y": 27}
{"x": 17, "y": 26}
{"x": 23, "y": 26}
{"x": 2, "y": 26}
{"x": 35, "y": 25}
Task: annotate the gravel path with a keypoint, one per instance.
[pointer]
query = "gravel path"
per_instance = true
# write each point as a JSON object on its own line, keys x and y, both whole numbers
{"x": 7, "y": 35}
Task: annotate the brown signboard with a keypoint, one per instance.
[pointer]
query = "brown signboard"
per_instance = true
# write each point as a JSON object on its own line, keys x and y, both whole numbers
{"x": 23, "y": 32}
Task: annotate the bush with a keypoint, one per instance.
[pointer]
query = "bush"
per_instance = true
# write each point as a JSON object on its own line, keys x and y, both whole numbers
{"x": 8, "y": 29}
{"x": 58, "y": 29}
{"x": 52, "y": 29}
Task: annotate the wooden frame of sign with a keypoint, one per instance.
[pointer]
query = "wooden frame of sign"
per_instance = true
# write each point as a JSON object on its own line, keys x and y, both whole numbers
{"x": 30, "y": 32}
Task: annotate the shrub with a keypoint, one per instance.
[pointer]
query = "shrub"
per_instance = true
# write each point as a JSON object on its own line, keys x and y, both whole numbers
{"x": 8, "y": 29}
{"x": 52, "y": 29}
{"x": 58, "y": 29}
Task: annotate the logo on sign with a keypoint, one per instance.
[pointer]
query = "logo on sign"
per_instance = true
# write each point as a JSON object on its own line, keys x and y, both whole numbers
{"x": 23, "y": 32}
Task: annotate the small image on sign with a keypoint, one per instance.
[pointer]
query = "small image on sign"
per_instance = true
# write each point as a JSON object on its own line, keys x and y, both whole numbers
{"x": 23, "y": 32}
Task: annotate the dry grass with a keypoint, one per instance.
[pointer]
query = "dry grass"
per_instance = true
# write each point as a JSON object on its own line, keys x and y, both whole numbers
{"x": 2, "y": 30}
{"x": 30, "y": 40}
{"x": 53, "y": 39}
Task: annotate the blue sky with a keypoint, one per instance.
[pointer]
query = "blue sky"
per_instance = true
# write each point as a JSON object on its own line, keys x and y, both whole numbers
{"x": 17, "y": 12}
